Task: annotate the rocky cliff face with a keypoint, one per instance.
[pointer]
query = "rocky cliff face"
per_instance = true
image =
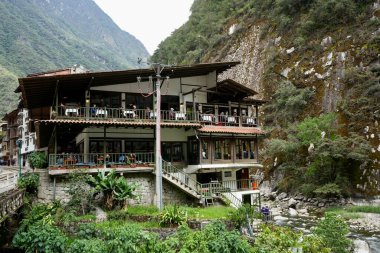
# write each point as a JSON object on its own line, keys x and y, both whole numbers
{"x": 327, "y": 66}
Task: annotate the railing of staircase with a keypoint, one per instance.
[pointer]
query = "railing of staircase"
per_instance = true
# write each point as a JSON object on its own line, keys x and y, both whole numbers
{"x": 219, "y": 188}
{"x": 181, "y": 176}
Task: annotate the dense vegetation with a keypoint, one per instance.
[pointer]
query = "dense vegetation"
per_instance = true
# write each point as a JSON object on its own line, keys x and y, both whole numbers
{"x": 47, "y": 228}
{"x": 197, "y": 38}
{"x": 39, "y": 35}
{"x": 302, "y": 106}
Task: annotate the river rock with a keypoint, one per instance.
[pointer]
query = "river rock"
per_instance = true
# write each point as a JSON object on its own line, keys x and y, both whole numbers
{"x": 280, "y": 218}
{"x": 292, "y": 203}
{"x": 303, "y": 211}
{"x": 282, "y": 195}
{"x": 327, "y": 41}
{"x": 321, "y": 204}
{"x": 361, "y": 246}
{"x": 293, "y": 212}
{"x": 272, "y": 196}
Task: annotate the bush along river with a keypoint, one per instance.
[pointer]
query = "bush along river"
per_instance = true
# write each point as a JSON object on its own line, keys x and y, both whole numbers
{"x": 302, "y": 214}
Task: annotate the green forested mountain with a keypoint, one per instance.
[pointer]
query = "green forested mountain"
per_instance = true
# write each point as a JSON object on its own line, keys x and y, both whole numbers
{"x": 41, "y": 35}
{"x": 317, "y": 63}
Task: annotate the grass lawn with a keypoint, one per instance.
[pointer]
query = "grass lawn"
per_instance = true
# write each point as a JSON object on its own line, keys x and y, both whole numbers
{"x": 214, "y": 212}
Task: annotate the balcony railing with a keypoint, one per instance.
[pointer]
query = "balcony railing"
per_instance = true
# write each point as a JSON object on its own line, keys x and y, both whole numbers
{"x": 100, "y": 160}
{"x": 231, "y": 186}
{"x": 106, "y": 113}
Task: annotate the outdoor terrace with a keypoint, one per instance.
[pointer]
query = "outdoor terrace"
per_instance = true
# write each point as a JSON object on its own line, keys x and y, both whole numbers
{"x": 146, "y": 115}
{"x": 63, "y": 163}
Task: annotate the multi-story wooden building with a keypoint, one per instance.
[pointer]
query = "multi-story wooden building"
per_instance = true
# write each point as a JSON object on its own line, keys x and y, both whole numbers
{"x": 103, "y": 120}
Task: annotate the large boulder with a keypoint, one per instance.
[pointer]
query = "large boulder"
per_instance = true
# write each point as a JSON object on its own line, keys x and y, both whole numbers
{"x": 361, "y": 246}
{"x": 293, "y": 212}
{"x": 282, "y": 195}
{"x": 292, "y": 203}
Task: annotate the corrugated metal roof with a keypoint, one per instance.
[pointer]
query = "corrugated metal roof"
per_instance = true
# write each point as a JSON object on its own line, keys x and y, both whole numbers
{"x": 231, "y": 130}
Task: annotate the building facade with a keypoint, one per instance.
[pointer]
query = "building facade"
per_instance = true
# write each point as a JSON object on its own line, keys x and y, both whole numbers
{"x": 210, "y": 129}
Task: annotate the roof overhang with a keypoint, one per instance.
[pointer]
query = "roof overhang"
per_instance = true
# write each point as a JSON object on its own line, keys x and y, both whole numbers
{"x": 231, "y": 130}
{"x": 38, "y": 91}
{"x": 88, "y": 123}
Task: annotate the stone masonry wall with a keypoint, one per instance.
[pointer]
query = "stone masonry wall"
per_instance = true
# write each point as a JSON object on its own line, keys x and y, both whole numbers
{"x": 145, "y": 190}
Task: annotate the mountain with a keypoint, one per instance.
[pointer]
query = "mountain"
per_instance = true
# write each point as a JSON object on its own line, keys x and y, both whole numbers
{"x": 317, "y": 63}
{"x": 41, "y": 35}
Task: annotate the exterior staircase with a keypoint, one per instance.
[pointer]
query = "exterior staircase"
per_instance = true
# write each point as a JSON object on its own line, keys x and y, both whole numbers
{"x": 181, "y": 179}
{"x": 192, "y": 187}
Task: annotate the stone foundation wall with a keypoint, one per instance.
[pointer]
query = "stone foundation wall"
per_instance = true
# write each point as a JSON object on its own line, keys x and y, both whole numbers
{"x": 145, "y": 190}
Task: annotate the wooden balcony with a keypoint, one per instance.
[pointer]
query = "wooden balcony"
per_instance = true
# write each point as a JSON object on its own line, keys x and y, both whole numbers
{"x": 146, "y": 115}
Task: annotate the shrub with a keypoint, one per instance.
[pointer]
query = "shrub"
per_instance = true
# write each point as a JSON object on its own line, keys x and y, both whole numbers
{"x": 29, "y": 182}
{"x": 40, "y": 213}
{"x": 38, "y": 160}
{"x": 41, "y": 238}
{"x": 280, "y": 239}
{"x": 88, "y": 246}
{"x": 81, "y": 195}
{"x": 333, "y": 231}
{"x": 240, "y": 215}
{"x": 214, "y": 238}
{"x": 173, "y": 215}
{"x": 115, "y": 189}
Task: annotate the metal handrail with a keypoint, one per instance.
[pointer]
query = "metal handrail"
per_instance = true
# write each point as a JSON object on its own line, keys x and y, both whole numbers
{"x": 184, "y": 178}
{"x": 214, "y": 188}
{"x": 235, "y": 201}
{"x": 95, "y": 159}
{"x": 123, "y": 114}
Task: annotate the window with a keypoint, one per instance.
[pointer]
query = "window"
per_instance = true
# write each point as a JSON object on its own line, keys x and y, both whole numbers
{"x": 106, "y": 99}
{"x": 139, "y": 146}
{"x": 245, "y": 149}
{"x": 222, "y": 150}
{"x": 173, "y": 151}
{"x": 97, "y": 146}
{"x": 226, "y": 150}
{"x": 139, "y": 101}
{"x": 204, "y": 150}
{"x": 218, "y": 149}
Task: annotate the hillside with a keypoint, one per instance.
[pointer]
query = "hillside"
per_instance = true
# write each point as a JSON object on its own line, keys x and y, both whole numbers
{"x": 317, "y": 62}
{"x": 41, "y": 35}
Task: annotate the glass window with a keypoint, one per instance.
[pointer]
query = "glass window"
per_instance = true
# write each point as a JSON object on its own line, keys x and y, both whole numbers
{"x": 106, "y": 99}
{"x": 204, "y": 150}
{"x": 139, "y": 101}
{"x": 218, "y": 149}
{"x": 226, "y": 150}
{"x": 245, "y": 149}
{"x": 97, "y": 146}
{"x": 139, "y": 146}
{"x": 172, "y": 151}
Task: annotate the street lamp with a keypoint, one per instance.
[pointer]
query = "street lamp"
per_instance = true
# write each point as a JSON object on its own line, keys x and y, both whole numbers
{"x": 19, "y": 145}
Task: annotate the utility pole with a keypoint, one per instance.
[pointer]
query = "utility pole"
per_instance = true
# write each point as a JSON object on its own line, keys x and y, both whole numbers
{"x": 157, "y": 68}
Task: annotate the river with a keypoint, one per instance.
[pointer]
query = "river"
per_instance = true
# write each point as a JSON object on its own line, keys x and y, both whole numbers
{"x": 305, "y": 223}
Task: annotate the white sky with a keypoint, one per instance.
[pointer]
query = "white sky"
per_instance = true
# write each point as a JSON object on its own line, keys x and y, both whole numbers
{"x": 150, "y": 21}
